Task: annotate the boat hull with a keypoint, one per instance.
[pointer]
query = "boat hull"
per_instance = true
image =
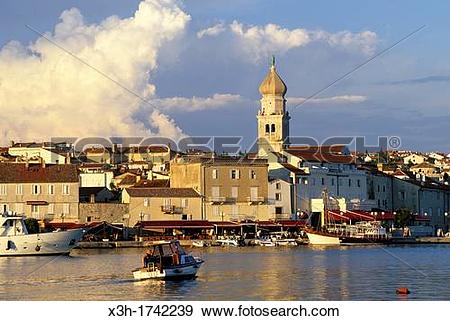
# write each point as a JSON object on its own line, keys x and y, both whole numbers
{"x": 54, "y": 243}
{"x": 316, "y": 238}
{"x": 187, "y": 271}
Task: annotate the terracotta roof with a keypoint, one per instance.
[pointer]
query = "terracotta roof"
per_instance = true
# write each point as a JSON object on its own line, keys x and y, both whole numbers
{"x": 423, "y": 165}
{"x": 293, "y": 169}
{"x": 162, "y": 192}
{"x": 152, "y": 183}
{"x": 20, "y": 173}
{"x": 128, "y": 180}
{"x": 321, "y": 155}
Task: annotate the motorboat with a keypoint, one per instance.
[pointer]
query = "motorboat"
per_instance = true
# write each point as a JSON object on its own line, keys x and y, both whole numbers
{"x": 282, "y": 239}
{"x": 199, "y": 243}
{"x": 16, "y": 241}
{"x": 228, "y": 242}
{"x": 168, "y": 260}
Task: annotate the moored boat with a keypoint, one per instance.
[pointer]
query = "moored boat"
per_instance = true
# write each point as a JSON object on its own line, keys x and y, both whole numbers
{"x": 168, "y": 260}
{"x": 16, "y": 241}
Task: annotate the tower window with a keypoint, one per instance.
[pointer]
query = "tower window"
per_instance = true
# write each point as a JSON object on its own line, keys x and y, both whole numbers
{"x": 273, "y": 128}
{"x": 267, "y": 128}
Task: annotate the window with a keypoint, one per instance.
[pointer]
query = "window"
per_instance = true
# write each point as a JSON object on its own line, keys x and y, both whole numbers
{"x": 184, "y": 202}
{"x": 215, "y": 191}
{"x": 146, "y": 202}
{"x": 401, "y": 195}
{"x": 332, "y": 181}
{"x": 267, "y": 128}
{"x": 36, "y": 189}
{"x": 167, "y": 202}
{"x": 89, "y": 219}
{"x": 215, "y": 174}
{"x": 3, "y": 189}
{"x": 51, "y": 209}
{"x": 184, "y": 217}
{"x": 66, "y": 209}
{"x": 384, "y": 188}
{"x": 378, "y": 188}
{"x": 349, "y": 182}
{"x": 66, "y": 189}
{"x": 34, "y": 209}
{"x": 273, "y": 128}
{"x": 234, "y": 191}
{"x": 278, "y": 186}
{"x": 278, "y": 196}
{"x": 215, "y": 210}
{"x": 19, "y": 189}
{"x": 323, "y": 181}
{"x": 305, "y": 181}
{"x": 51, "y": 189}
{"x": 252, "y": 174}
{"x": 234, "y": 174}
{"x": 278, "y": 210}
{"x": 358, "y": 183}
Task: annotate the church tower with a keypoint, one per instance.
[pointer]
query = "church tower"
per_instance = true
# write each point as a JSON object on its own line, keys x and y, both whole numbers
{"x": 273, "y": 119}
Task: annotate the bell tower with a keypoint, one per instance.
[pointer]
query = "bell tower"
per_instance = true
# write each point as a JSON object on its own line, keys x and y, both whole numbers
{"x": 273, "y": 119}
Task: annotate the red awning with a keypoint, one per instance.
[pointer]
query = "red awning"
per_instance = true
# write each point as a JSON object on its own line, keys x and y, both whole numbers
{"x": 176, "y": 224}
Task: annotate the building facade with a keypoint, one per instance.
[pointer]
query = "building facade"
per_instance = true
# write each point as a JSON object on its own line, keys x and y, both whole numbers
{"x": 231, "y": 189}
{"x": 162, "y": 204}
{"x": 43, "y": 192}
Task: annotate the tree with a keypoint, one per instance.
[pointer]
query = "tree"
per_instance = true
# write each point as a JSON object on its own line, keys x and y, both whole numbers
{"x": 403, "y": 217}
{"x": 32, "y": 225}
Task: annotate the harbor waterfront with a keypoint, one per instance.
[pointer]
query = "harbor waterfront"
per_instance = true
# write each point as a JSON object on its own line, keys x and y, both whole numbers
{"x": 245, "y": 273}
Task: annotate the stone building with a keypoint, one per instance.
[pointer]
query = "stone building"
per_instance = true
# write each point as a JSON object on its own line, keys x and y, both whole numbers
{"x": 233, "y": 189}
{"x": 162, "y": 204}
{"x": 47, "y": 192}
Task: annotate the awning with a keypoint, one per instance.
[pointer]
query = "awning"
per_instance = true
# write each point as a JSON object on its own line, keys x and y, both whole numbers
{"x": 175, "y": 225}
{"x": 37, "y": 203}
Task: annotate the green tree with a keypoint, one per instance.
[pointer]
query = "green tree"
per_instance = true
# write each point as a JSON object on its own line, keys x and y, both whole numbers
{"x": 403, "y": 217}
{"x": 32, "y": 225}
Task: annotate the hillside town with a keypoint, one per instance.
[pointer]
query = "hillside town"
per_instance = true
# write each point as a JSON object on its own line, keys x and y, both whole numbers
{"x": 158, "y": 188}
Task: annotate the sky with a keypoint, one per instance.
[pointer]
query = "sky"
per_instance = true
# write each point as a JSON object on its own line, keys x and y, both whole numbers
{"x": 192, "y": 68}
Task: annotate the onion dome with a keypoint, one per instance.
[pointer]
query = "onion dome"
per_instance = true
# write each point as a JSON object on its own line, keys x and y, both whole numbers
{"x": 273, "y": 84}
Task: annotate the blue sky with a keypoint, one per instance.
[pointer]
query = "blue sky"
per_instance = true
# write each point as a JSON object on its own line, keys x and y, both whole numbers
{"x": 405, "y": 92}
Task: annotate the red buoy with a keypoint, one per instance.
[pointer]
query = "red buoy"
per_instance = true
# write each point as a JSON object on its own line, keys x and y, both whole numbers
{"x": 403, "y": 291}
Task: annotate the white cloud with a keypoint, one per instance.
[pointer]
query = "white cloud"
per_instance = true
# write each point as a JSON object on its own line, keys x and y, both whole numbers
{"x": 259, "y": 42}
{"x": 185, "y": 104}
{"x": 344, "y": 99}
{"x": 45, "y": 92}
{"x": 365, "y": 41}
{"x": 211, "y": 31}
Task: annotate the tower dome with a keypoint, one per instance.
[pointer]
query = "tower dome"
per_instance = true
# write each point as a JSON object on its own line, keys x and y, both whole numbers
{"x": 272, "y": 83}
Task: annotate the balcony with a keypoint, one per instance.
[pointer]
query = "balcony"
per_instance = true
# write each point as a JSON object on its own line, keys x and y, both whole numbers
{"x": 171, "y": 209}
{"x": 255, "y": 200}
{"x": 219, "y": 200}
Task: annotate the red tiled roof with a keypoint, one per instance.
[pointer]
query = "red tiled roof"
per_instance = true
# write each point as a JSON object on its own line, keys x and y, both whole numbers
{"x": 20, "y": 173}
{"x": 162, "y": 192}
{"x": 326, "y": 154}
{"x": 293, "y": 169}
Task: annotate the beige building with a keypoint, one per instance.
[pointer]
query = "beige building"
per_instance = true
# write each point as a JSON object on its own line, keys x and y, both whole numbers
{"x": 163, "y": 203}
{"x": 232, "y": 189}
{"x": 42, "y": 192}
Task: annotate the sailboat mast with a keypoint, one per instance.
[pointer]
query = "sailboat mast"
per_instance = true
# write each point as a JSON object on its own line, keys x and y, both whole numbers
{"x": 325, "y": 208}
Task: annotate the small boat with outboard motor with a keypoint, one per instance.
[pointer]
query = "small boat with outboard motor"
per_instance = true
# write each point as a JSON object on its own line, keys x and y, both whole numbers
{"x": 168, "y": 260}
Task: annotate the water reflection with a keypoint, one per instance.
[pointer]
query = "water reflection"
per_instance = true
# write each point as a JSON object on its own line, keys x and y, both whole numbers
{"x": 303, "y": 273}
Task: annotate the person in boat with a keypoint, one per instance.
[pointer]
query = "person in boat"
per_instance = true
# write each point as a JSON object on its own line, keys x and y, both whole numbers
{"x": 146, "y": 258}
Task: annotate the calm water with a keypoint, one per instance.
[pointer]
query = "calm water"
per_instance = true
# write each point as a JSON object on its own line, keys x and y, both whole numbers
{"x": 302, "y": 273}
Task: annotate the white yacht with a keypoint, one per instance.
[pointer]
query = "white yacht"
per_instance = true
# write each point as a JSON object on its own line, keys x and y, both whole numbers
{"x": 16, "y": 241}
